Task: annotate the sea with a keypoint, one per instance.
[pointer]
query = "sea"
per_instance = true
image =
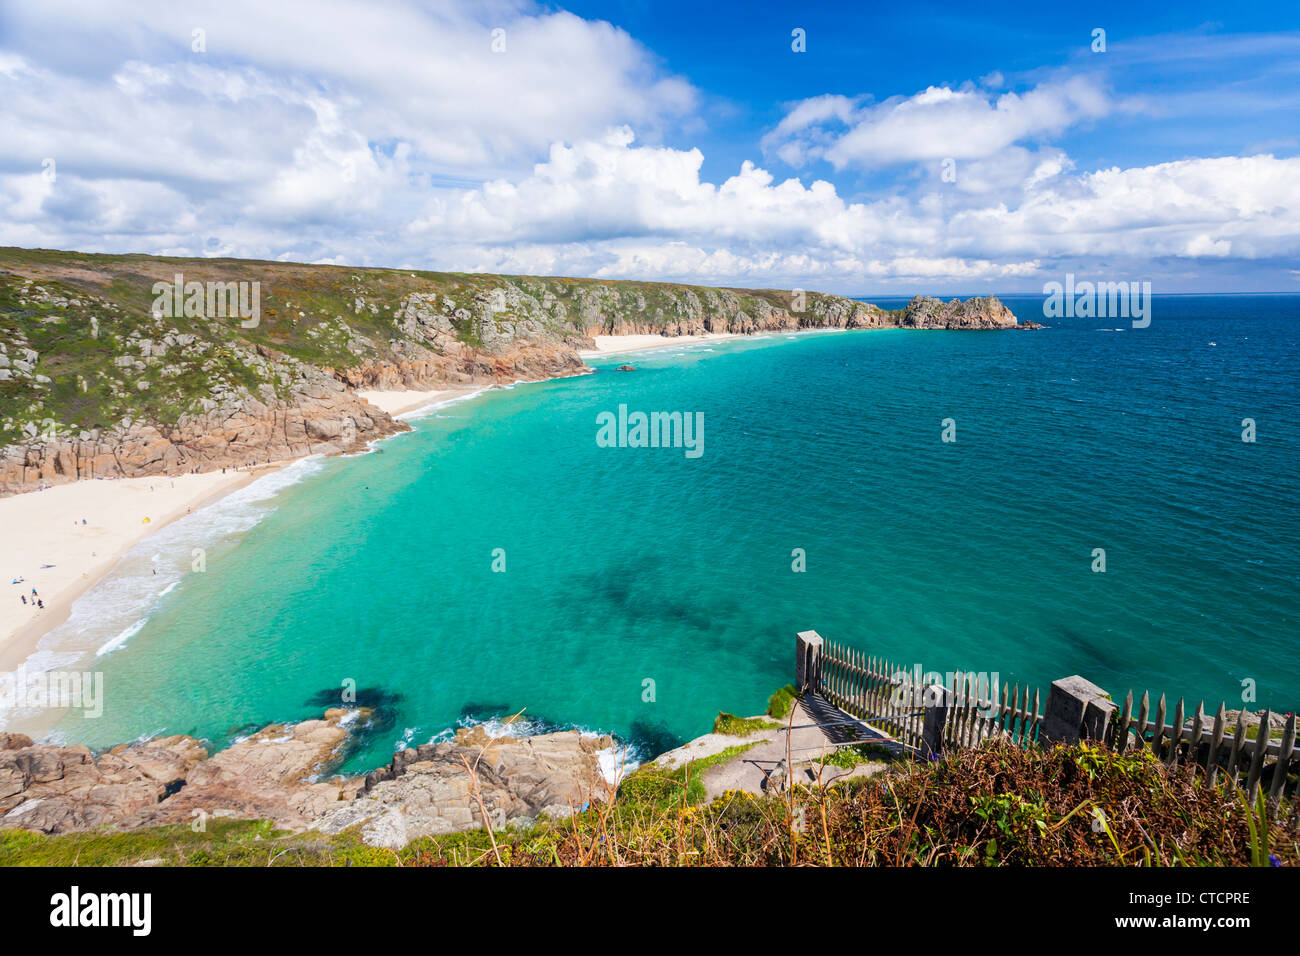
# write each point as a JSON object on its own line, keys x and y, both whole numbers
{"x": 1080, "y": 499}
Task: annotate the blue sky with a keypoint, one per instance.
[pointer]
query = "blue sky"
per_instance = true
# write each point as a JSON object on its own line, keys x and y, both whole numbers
{"x": 745, "y": 65}
{"x": 924, "y": 147}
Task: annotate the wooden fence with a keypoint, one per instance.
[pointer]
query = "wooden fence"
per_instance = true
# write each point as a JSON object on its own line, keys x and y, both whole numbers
{"x": 1223, "y": 753}
{"x": 929, "y": 717}
{"x": 864, "y": 687}
{"x": 893, "y": 699}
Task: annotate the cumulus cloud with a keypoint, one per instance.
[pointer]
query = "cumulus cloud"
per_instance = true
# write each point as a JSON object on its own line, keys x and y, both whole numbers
{"x": 609, "y": 207}
{"x": 1248, "y": 207}
{"x": 937, "y": 123}
{"x": 433, "y": 75}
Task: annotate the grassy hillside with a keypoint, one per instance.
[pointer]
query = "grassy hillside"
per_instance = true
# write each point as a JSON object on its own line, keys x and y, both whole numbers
{"x": 84, "y": 351}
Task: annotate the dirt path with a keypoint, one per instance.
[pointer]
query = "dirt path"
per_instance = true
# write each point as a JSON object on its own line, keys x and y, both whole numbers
{"x": 763, "y": 765}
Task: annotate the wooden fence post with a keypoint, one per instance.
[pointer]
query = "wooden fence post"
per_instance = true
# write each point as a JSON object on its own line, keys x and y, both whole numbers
{"x": 808, "y": 662}
{"x": 935, "y": 699}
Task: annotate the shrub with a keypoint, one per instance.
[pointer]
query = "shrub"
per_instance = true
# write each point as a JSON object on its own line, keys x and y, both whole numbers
{"x": 781, "y": 703}
{"x": 741, "y": 726}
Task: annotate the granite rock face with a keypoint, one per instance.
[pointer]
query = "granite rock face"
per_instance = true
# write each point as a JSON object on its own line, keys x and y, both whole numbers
{"x": 268, "y": 776}
{"x": 428, "y": 790}
{"x": 55, "y": 789}
{"x": 924, "y": 312}
{"x": 309, "y": 410}
{"x": 276, "y": 774}
{"x": 324, "y": 418}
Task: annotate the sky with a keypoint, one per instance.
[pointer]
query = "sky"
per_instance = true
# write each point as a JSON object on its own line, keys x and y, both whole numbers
{"x": 856, "y": 148}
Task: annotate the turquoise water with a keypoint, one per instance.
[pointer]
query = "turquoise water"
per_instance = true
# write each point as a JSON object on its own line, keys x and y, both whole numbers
{"x": 625, "y": 565}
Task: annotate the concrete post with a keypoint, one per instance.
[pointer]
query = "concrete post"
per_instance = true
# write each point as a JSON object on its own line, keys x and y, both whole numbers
{"x": 808, "y": 662}
{"x": 1076, "y": 710}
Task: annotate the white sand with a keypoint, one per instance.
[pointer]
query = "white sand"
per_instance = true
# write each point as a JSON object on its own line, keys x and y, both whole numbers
{"x": 397, "y": 403}
{"x": 636, "y": 343}
{"x": 44, "y": 528}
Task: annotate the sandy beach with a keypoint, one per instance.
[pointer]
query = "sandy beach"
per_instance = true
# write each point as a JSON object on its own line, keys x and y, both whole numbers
{"x": 399, "y": 403}
{"x": 48, "y": 548}
{"x": 605, "y": 344}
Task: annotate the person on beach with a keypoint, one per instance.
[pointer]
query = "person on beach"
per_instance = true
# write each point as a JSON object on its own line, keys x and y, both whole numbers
{"x": 41, "y": 605}
{"x": 24, "y": 597}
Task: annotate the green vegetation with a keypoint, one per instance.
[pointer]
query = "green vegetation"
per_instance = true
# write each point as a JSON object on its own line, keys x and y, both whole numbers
{"x": 1252, "y": 732}
{"x": 992, "y": 806}
{"x": 222, "y": 843}
{"x": 1257, "y": 823}
{"x": 849, "y": 757}
{"x": 658, "y": 788}
{"x": 741, "y": 726}
{"x": 781, "y": 702}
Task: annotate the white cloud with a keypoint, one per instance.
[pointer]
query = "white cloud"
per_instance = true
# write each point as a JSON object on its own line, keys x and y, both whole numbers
{"x": 390, "y": 134}
{"x": 609, "y": 207}
{"x": 307, "y": 109}
{"x": 937, "y": 123}
{"x": 1245, "y": 206}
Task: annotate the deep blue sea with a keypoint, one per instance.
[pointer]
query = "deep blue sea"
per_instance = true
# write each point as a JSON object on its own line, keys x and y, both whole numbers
{"x": 632, "y": 565}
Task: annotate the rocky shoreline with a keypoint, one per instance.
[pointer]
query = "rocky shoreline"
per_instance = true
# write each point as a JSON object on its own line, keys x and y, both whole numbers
{"x": 281, "y": 774}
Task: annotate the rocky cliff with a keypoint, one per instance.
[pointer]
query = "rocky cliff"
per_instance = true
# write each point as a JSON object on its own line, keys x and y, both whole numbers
{"x": 101, "y": 378}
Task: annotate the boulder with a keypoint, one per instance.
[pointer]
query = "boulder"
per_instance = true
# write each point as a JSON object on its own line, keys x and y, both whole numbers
{"x": 430, "y": 790}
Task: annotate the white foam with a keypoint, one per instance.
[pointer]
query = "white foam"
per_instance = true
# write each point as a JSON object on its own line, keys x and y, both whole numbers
{"x": 350, "y": 717}
{"x": 499, "y": 727}
{"x": 121, "y": 639}
{"x": 616, "y": 762}
{"x": 433, "y": 406}
{"x": 405, "y": 740}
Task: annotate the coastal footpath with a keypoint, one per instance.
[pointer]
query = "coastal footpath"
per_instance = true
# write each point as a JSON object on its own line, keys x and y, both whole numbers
{"x": 105, "y": 373}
